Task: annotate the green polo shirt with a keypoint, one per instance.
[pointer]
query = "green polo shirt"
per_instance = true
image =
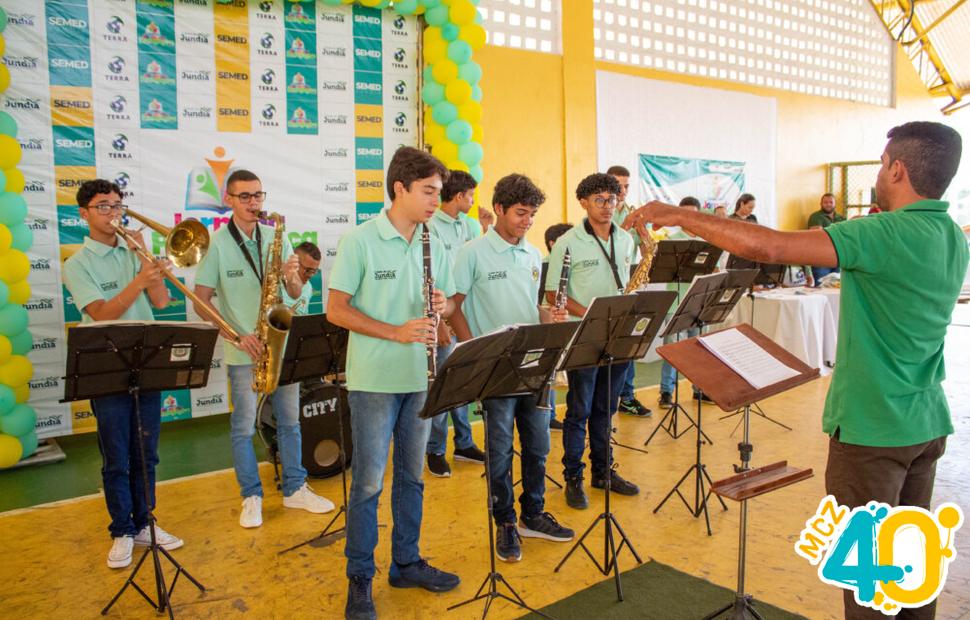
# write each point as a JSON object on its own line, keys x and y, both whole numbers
{"x": 500, "y": 282}
{"x": 901, "y": 275}
{"x": 821, "y": 219}
{"x": 238, "y": 290}
{"x": 383, "y": 274}
{"x": 619, "y": 214}
{"x": 454, "y": 232}
{"x": 98, "y": 272}
{"x": 590, "y": 274}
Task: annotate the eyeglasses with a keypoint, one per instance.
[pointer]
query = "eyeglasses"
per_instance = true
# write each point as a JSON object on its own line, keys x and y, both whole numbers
{"x": 246, "y": 197}
{"x": 107, "y": 209}
{"x": 601, "y": 202}
{"x": 309, "y": 271}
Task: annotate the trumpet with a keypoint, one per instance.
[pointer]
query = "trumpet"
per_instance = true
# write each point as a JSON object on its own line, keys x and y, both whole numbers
{"x": 186, "y": 244}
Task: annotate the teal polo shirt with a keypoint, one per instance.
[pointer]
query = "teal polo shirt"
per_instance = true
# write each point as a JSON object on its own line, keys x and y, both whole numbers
{"x": 384, "y": 274}
{"x": 98, "y": 272}
{"x": 454, "y": 232}
{"x": 901, "y": 274}
{"x": 619, "y": 214}
{"x": 238, "y": 290}
{"x": 500, "y": 282}
{"x": 590, "y": 274}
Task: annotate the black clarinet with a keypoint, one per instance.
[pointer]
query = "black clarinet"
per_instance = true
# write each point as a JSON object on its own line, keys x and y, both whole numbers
{"x": 559, "y": 304}
{"x": 428, "y": 289}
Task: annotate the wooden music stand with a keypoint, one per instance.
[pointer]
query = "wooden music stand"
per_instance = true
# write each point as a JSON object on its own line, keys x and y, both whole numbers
{"x": 730, "y": 391}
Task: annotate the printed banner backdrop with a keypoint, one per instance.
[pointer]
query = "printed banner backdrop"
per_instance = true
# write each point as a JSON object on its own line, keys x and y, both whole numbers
{"x": 167, "y": 97}
{"x": 670, "y": 179}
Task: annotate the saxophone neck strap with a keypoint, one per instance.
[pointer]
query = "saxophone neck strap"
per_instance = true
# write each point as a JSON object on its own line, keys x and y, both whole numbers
{"x": 237, "y": 236}
{"x": 611, "y": 257}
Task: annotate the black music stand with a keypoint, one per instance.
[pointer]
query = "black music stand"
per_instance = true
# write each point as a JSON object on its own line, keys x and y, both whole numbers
{"x": 117, "y": 357}
{"x": 680, "y": 261}
{"x": 710, "y": 299}
{"x": 316, "y": 348}
{"x": 614, "y": 330}
{"x": 516, "y": 362}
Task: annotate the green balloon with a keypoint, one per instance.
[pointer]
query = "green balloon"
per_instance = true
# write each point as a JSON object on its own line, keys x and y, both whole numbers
{"x": 471, "y": 153}
{"x": 430, "y": 4}
{"x": 477, "y": 173}
{"x": 18, "y": 421}
{"x": 470, "y": 71}
{"x": 477, "y": 93}
{"x": 429, "y": 74}
{"x": 22, "y": 342}
{"x": 7, "y": 400}
{"x": 4, "y": 293}
{"x": 450, "y": 32}
{"x": 13, "y": 320}
{"x": 431, "y": 94}
{"x": 406, "y": 7}
{"x": 332, "y": 2}
{"x": 8, "y": 126}
{"x": 13, "y": 209}
{"x": 29, "y": 442}
{"x": 23, "y": 237}
{"x": 3, "y": 19}
{"x": 459, "y": 131}
{"x": 459, "y": 51}
{"x": 437, "y": 16}
{"x": 444, "y": 112}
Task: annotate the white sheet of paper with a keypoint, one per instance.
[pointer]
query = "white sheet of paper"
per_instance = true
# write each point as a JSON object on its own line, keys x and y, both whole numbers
{"x": 745, "y": 357}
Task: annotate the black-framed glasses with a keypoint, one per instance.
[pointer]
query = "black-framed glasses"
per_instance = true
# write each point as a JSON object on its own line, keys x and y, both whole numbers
{"x": 309, "y": 271}
{"x": 246, "y": 197}
{"x": 601, "y": 202}
{"x": 107, "y": 209}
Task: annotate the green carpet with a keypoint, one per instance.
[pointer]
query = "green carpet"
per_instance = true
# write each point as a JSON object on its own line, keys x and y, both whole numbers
{"x": 653, "y": 590}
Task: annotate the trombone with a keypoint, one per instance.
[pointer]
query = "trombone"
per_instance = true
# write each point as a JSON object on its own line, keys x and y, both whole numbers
{"x": 185, "y": 245}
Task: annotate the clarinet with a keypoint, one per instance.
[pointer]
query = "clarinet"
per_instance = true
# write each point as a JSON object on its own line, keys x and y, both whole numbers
{"x": 428, "y": 291}
{"x": 559, "y": 304}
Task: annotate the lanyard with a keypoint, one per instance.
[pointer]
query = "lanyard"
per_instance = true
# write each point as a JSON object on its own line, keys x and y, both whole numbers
{"x": 611, "y": 257}
{"x": 234, "y": 231}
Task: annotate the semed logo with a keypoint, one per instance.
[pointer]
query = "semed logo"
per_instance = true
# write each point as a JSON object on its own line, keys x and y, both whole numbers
{"x": 65, "y": 22}
{"x": 66, "y": 63}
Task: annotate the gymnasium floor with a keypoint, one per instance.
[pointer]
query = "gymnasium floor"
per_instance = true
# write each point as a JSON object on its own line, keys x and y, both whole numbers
{"x": 53, "y": 554}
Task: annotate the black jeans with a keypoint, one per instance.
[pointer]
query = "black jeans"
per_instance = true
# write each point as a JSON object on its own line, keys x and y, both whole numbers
{"x": 592, "y": 398}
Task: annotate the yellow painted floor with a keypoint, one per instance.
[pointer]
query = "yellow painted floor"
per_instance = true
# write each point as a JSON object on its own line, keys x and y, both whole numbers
{"x": 52, "y": 557}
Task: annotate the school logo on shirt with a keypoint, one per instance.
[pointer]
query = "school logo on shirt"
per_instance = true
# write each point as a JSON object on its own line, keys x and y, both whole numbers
{"x": 535, "y": 274}
{"x": 385, "y": 274}
{"x": 234, "y": 273}
{"x": 498, "y": 275}
{"x": 109, "y": 286}
{"x": 590, "y": 262}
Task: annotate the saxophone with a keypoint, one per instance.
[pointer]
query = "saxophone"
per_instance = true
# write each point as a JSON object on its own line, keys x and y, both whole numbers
{"x": 641, "y": 277}
{"x": 275, "y": 317}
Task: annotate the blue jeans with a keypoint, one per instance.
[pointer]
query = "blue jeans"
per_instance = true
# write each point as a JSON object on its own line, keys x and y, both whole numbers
{"x": 587, "y": 402}
{"x": 626, "y": 392}
{"x": 668, "y": 375}
{"x": 438, "y": 441}
{"x": 502, "y": 415}
{"x": 124, "y": 488}
{"x": 286, "y": 407}
{"x": 374, "y": 419}
{"x": 820, "y": 272}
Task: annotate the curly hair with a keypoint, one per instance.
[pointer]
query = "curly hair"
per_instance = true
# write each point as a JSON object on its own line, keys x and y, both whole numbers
{"x": 90, "y": 189}
{"x": 597, "y": 183}
{"x": 517, "y": 189}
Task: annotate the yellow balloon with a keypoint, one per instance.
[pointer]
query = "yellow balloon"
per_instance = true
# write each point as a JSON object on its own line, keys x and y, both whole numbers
{"x": 446, "y": 150}
{"x": 471, "y": 112}
{"x": 22, "y": 393}
{"x": 10, "y": 152}
{"x": 477, "y": 133}
{"x": 474, "y": 35}
{"x": 4, "y": 77}
{"x": 3, "y": 45}
{"x": 432, "y": 34}
{"x": 370, "y": 3}
{"x": 6, "y": 350}
{"x": 420, "y": 10}
{"x": 19, "y": 292}
{"x": 433, "y": 132}
{"x": 444, "y": 71}
{"x": 462, "y": 12}
{"x": 10, "y": 451}
{"x": 457, "y": 164}
{"x": 435, "y": 51}
{"x": 15, "y": 180}
{"x": 5, "y": 238}
{"x": 458, "y": 92}
{"x": 16, "y": 371}
{"x": 14, "y": 266}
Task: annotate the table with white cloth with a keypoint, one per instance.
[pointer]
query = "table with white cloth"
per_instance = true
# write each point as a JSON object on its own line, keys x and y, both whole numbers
{"x": 805, "y": 321}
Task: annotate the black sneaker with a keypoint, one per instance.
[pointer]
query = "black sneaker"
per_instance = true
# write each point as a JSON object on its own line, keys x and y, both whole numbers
{"x": 420, "y": 574}
{"x": 617, "y": 484}
{"x": 555, "y": 425}
{"x": 544, "y": 526}
{"x": 360, "y": 604}
{"x": 635, "y": 408}
{"x": 508, "y": 548}
{"x": 471, "y": 454}
{"x": 438, "y": 466}
{"x": 704, "y": 398}
{"x": 666, "y": 400}
{"x": 575, "y": 495}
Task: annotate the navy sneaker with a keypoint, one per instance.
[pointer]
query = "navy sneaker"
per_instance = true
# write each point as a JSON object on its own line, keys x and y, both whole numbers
{"x": 420, "y": 574}
{"x": 544, "y": 526}
{"x": 360, "y": 604}
{"x": 507, "y": 544}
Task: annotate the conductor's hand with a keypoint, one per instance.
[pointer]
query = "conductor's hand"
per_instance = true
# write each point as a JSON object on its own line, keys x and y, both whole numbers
{"x": 438, "y": 301}
{"x": 416, "y": 330}
{"x": 149, "y": 275}
{"x": 659, "y": 214}
{"x": 251, "y": 345}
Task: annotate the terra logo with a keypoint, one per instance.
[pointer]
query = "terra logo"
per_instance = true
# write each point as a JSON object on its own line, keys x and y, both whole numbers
{"x": 268, "y": 77}
{"x": 119, "y": 142}
{"x": 123, "y": 180}
{"x": 265, "y": 7}
{"x": 269, "y": 111}
{"x": 118, "y": 104}
{"x": 400, "y": 87}
{"x": 401, "y": 119}
{"x": 399, "y": 55}
{"x": 115, "y": 24}
{"x": 267, "y": 40}
{"x": 116, "y": 65}
{"x": 399, "y": 22}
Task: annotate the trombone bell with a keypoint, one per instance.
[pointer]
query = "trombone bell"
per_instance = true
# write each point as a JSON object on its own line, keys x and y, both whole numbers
{"x": 185, "y": 243}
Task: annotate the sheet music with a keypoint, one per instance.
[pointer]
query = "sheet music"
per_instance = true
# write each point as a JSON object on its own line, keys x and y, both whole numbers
{"x": 745, "y": 357}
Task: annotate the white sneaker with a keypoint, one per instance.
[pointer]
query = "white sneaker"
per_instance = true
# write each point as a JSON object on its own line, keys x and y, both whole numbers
{"x": 120, "y": 554}
{"x": 252, "y": 512}
{"x": 305, "y": 498}
{"x": 165, "y": 540}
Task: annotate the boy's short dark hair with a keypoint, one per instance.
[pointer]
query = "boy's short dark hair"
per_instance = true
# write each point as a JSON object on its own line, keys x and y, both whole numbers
{"x": 309, "y": 248}
{"x": 554, "y": 232}
{"x": 410, "y": 164}
{"x": 513, "y": 189}
{"x": 931, "y": 153}
{"x": 240, "y": 175}
{"x": 689, "y": 201}
{"x": 458, "y": 181}
{"x": 90, "y": 189}
{"x": 618, "y": 171}
{"x": 596, "y": 183}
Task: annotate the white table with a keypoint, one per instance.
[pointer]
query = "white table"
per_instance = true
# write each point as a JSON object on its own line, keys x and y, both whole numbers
{"x": 803, "y": 321}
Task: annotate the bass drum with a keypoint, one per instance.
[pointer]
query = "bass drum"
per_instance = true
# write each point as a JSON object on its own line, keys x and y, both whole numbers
{"x": 320, "y": 404}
